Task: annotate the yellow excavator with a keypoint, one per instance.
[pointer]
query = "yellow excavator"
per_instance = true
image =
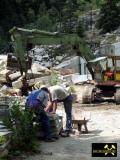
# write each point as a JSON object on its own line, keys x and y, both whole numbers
{"x": 106, "y": 77}
{"x": 105, "y": 71}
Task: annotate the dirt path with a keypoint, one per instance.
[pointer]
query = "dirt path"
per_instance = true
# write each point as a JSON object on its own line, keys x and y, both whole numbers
{"x": 104, "y": 126}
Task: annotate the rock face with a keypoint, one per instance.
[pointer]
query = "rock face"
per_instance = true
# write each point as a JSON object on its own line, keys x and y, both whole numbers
{"x": 89, "y": 19}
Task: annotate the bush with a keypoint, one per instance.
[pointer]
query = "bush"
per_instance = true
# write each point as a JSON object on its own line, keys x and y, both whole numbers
{"x": 72, "y": 89}
{"x": 3, "y": 42}
{"x": 80, "y": 30}
{"x": 20, "y": 123}
{"x": 54, "y": 78}
{"x": 2, "y": 140}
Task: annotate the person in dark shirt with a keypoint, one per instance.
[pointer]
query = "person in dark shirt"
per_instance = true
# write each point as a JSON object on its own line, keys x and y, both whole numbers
{"x": 25, "y": 87}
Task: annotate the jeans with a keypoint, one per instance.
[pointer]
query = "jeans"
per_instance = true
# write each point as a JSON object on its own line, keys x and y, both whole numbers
{"x": 44, "y": 120}
{"x": 68, "y": 110}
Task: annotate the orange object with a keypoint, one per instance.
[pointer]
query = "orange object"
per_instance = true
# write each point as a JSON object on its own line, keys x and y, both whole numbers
{"x": 109, "y": 74}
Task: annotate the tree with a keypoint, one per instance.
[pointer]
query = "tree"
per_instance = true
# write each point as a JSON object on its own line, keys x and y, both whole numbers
{"x": 16, "y": 13}
{"x": 80, "y": 29}
{"x": 109, "y": 16}
{"x": 44, "y": 23}
{"x": 57, "y": 8}
{"x": 69, "y": 15}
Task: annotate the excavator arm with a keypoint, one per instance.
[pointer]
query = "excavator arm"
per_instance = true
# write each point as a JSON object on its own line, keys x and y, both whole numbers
{"x": 25, "y": 39}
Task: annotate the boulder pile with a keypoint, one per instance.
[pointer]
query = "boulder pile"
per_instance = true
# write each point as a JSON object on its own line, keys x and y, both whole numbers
{"x": 63, "y": 70}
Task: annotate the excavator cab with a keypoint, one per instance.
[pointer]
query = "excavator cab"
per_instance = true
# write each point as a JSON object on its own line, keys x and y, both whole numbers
{"x": 112, "y": 71}
{"x": 107, "y": 77}
{"x": 116, "y": 67}
{"x": 106, "y": 68}
{"x": 98, "y": 66}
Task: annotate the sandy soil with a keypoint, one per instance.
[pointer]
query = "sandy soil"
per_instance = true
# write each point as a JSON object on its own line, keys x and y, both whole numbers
{"x": 103, "y": 126}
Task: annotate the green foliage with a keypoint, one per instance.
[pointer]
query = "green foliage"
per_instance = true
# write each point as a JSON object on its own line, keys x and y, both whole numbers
{"x": 80, "y": 30}
{"x": 2, "y": 42}
{"x": 30, "y": 15}
{"x": 69, "y": 15}
{"x": 72, "y": 89}
{"x": 2, "y": 140}
{"x": 54, "y": 79}
{"x": 109, "y": 16}
{"x": 49, "y": 15}
{"x": 20, "y": 123}
{"x": 44, "y": 23}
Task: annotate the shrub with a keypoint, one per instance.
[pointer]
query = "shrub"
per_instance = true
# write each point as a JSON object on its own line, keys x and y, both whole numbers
{"x": 2, "y": 140}
{"x": 72, "y": 89}
{"x": 20, "y": 123}
{"x": 54, "y": 78}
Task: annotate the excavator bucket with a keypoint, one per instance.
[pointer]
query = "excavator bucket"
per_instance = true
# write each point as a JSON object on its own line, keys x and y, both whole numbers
{"x": 14, "y": 64}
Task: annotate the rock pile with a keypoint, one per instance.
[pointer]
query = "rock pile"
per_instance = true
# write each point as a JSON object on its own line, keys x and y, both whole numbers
{"x": 65, "y": 73}
{"x": 47, "y": 56}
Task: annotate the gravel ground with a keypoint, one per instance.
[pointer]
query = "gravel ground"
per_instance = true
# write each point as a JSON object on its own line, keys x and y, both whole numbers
{"x": 103, "y": 126}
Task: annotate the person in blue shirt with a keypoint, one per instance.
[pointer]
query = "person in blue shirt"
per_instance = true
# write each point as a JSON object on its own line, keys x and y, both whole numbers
{"x": 37, "y": 101}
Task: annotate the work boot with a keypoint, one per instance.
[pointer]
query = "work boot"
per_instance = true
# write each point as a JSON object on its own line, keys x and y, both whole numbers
{"x": 49, "y": 140}
{"x": 55, "y": 136}
{"x": 64, "y": 134}
{"x": 71, "y": 132}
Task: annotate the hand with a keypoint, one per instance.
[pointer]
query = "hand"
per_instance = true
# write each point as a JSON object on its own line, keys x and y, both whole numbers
{"x": 45, "y": 109}
{"x": 53, "y": 112}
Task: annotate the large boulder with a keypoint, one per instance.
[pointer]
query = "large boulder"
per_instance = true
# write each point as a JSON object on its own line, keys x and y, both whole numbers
{"x": 42, "y": 80}
{"x": 17, "y": 84}
{"x": 15, "y": 75}
{"x": 3, "y": 75}
{"x": 36, "y": 67}
{"x": 78, "y": 90}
